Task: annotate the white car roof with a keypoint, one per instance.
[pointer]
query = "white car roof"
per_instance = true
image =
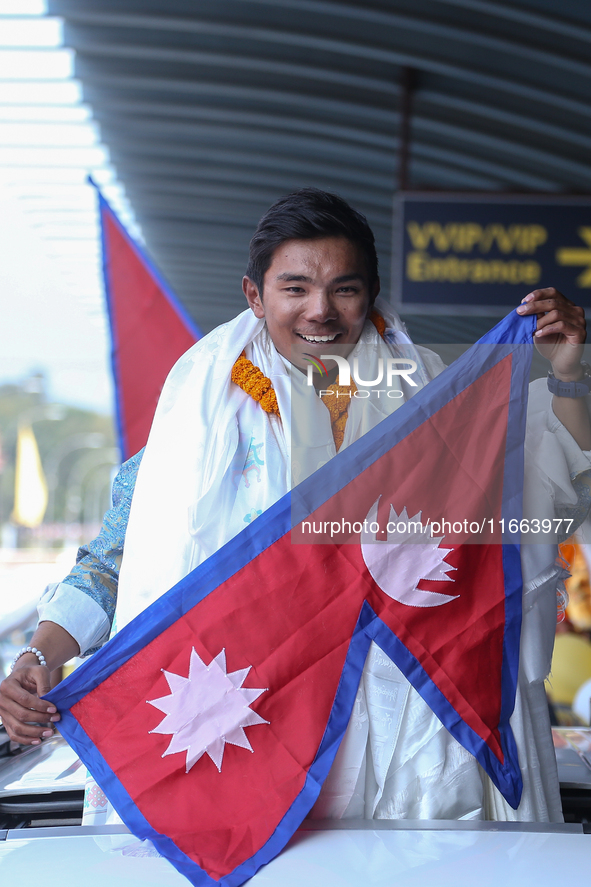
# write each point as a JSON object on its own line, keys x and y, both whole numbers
{"x": 350, "y": 854}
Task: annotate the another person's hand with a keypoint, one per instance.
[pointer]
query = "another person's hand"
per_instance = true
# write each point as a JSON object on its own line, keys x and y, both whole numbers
{"x": 560, "y": 336}
{"x": 27, "y": 718}
{"x": 560, "y": 332}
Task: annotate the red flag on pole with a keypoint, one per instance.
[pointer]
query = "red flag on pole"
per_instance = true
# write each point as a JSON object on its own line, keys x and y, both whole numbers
{"x": 150, "y": 330}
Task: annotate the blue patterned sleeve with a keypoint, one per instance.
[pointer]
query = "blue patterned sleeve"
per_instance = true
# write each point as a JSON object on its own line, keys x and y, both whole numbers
{"x": 97, "y": 564}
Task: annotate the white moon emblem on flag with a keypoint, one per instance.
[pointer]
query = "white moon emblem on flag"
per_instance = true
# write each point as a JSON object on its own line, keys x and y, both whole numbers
{"x": 399, "y": 563}
{"x": 207, "y": 709}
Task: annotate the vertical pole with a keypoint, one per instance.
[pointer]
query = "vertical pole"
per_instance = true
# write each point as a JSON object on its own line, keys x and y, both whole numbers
{"x": 408, "y": 82}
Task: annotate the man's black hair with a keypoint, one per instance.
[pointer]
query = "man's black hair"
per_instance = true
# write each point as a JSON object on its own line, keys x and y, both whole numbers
{"x": 309, "y": 214}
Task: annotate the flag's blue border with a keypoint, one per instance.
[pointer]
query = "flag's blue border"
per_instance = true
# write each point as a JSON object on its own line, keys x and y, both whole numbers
{"x": 275, "y": 523}
{"x": 104, "y": 206}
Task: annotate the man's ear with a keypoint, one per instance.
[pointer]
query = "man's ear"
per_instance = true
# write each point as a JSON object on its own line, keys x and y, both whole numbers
{"x": 251, "y": 291}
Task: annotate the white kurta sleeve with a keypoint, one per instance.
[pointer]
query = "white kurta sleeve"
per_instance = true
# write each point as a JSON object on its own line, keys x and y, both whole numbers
{"x": 77, "y": 613}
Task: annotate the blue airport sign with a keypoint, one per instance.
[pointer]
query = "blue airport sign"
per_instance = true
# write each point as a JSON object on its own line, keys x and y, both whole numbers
{"x": 489, "y": 251}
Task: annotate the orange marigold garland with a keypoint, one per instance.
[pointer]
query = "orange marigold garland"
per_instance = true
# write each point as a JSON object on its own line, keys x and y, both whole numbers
{"x": 248, "y": 377}
{"x": 378, "y": 321}
{"x": 337, "y": 404}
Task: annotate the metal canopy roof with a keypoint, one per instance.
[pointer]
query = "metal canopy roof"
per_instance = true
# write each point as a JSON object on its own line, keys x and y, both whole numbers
{"x": 212, "y": 109}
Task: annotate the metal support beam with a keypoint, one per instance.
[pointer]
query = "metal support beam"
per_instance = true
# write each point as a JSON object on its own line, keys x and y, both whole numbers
{"x": 408, "y": 83}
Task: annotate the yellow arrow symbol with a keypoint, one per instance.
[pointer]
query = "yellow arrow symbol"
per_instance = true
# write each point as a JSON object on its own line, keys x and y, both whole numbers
{"x": 574, "y": 255}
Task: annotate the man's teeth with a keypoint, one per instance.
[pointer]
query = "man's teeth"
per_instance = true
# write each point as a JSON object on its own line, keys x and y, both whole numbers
{"x": 320, "y": 338}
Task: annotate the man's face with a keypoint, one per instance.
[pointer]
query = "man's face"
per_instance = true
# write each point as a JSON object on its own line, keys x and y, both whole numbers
{"x": 315, "y": 295}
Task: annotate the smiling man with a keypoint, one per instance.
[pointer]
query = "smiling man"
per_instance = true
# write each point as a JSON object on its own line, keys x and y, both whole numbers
{"x": 316, "y": 293}
{"x": 224, "y": 447}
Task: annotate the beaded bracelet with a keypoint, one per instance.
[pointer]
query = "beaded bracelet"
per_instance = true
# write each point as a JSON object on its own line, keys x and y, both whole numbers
{"x": 24, "y": 650}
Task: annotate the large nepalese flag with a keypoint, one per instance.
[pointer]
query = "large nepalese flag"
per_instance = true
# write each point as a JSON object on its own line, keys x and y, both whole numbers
{"x": 211, "y": 721}
{"x": 150, "y": 329}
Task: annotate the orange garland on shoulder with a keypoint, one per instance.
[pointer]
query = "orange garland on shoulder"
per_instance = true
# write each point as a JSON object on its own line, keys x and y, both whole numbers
{"x": 251, "y": 379}
{"x": 337, "y": 403}
{"x": 248, "y": 377}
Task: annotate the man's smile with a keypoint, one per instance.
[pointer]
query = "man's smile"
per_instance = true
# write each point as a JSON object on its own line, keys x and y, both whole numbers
{"x": 318, "y": 340}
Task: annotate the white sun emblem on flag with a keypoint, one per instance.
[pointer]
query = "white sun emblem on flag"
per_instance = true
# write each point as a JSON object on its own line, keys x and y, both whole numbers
{"x": 207, "y": 709}
{"x": 397, "y": 565}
